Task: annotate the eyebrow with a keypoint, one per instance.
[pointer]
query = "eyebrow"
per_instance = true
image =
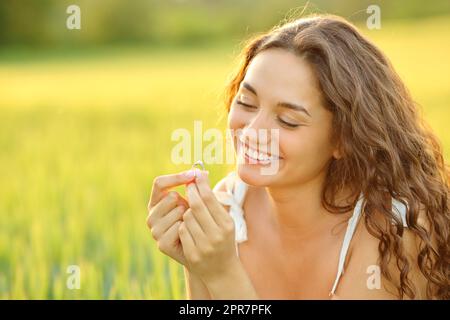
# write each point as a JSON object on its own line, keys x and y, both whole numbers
{"x": 288, "y": 105}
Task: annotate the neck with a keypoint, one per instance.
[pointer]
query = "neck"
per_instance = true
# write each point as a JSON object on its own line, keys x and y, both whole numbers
{"x": 296, "y": 207}
{"x": 296, "y": 211}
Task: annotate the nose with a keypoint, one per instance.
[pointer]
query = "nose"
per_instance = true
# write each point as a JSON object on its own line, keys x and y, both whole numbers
{"x": 257, "y": 130}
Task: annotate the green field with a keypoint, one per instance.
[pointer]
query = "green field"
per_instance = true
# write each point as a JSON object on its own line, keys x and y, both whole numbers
{"x": 81, "y": 139}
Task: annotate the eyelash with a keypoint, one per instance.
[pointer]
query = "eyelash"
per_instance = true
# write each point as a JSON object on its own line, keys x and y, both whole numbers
{"x": 290, "y": 125}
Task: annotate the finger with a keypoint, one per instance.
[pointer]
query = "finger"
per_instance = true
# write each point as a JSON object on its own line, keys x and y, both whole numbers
{"x": 171, "y": 235}
{"x": 209, "y": 199}
{"x": 167, "y": 221}
{"x": 171, "y": 239}
{"x": 164, "y": 182}
{"x": 194, "y": 228}
{"x": 182, "y": 201}
{"x": 187, "y": 243}
{"x": 163, "y": 207}
{"x": 200, "y": 211}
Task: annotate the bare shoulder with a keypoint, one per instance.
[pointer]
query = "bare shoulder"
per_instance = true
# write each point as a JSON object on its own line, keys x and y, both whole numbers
{"x": 363, "y": 279}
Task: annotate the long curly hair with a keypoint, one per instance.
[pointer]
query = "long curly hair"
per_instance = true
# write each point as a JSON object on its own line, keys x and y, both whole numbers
{"x": 387, "y": 149}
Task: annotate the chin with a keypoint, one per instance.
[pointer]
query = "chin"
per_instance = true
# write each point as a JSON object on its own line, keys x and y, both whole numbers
{"x": 251, "y": 175}
{"x": 257, "y": 173}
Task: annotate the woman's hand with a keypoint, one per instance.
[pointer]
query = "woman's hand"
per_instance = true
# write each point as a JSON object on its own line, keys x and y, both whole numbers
{"x": 165, "y": 211}
{"x": 207, "y": 233}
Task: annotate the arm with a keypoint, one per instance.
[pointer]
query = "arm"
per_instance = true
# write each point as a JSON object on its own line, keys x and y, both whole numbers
{"x": 207, "y": 235}
{"x": 195, "y": 288}
{"x": 233, "y": 284}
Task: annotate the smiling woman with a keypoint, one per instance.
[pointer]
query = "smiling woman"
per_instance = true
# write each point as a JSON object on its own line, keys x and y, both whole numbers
{"x": 360, "y": 184}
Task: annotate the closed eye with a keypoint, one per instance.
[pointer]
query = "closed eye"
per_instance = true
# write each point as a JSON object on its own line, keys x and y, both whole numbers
{"x": 246, "y": 105}
{"x": 287, "y": 124}
{"x": 282, "y": 122}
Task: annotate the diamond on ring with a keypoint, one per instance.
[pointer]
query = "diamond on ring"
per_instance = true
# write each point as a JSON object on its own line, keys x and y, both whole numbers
{"x": 200, "y": 164}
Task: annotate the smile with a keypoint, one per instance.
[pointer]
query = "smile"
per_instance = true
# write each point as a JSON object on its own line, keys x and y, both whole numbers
{"x": 255, "y": 156}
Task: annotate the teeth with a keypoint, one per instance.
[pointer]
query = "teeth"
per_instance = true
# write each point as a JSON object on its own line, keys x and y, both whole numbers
{"x": 259, "y": 156}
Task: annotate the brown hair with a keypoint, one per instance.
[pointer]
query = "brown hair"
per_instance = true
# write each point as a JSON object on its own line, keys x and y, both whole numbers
{"x": 387, "y": 149}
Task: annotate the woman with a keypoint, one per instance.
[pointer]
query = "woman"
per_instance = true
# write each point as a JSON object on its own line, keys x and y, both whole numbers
{"x": 358, "y": 207}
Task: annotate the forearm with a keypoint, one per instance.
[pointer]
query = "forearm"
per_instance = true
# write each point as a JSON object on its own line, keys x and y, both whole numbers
{"x": 195, "y": 288}
{"x": 234, "y": 285}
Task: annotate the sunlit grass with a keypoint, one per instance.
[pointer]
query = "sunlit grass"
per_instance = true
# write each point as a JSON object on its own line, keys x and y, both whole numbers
{"x": 82, "y": 139}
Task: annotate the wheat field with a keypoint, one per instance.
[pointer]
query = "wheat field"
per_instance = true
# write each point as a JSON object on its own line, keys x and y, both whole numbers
{"x": 82, "y": 137}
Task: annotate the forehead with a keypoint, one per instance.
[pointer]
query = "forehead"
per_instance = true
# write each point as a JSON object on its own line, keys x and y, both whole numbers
{"x": 282, "y": 74}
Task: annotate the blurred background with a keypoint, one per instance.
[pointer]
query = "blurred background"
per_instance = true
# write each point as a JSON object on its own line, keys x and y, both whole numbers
{"x": 86, "y": 118}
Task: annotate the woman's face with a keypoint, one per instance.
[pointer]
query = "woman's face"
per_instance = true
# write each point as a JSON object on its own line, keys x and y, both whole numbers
{"x": 280, "y": 91}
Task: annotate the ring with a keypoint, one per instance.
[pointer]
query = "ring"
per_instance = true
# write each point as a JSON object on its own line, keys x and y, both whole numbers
{"x": 200, "y": 164}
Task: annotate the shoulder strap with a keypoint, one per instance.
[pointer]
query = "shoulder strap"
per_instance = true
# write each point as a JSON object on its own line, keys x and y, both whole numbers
{"x": 352, "y": 222}
{"x": 398, "y": 208}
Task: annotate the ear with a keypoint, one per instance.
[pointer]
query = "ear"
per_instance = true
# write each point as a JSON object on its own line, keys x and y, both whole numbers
{"x": 337, "y": 154}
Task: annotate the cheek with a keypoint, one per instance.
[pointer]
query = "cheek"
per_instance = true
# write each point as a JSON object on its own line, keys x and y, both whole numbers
{"x": 306, "y": 147}
{"x": 235, "y": 122}
{"x": 291, "y": 145}
{"x": 232, "y": 119}
{"x": 236, "y": 119}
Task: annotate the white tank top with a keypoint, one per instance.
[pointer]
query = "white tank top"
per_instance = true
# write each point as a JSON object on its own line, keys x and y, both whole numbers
{"x": 234, "y": 197}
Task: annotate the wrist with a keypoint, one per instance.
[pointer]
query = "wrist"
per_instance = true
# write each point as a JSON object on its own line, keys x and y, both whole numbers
{"x": 226, "y": 273}
{"x": 195, "y": 287}
{"x": 232, "y": 283}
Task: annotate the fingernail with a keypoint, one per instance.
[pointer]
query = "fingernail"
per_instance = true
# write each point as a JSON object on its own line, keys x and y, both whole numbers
{"x": 189, "y": 174}
{"x": 197, "y": 172}
{"x": 204, "y": 174}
